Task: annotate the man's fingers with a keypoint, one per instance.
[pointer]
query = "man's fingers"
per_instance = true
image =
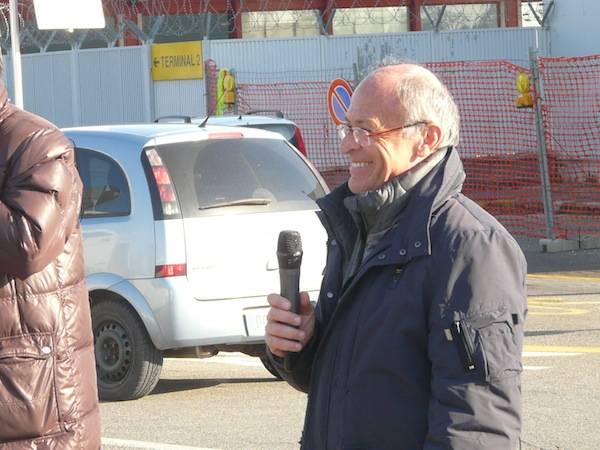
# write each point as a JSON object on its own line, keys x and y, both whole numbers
{"x": 306, "y": 306}
{"x": 284, "y": 331}
{"x": 280, "y": 346}
{"x": 277, "y": 301}
{"x": 279, "y": 315}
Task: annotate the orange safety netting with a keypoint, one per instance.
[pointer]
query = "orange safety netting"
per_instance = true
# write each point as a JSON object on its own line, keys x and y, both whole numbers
{"x": 498, "y": 141}
{"x": 571, "y": 111}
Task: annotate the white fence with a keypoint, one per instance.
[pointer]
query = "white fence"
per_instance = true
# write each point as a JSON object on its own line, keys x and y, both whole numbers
{"x": 114, "y": 85}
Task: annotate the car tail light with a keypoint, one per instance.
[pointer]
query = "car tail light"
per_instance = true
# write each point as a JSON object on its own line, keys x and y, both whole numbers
{"x": 167, "y": 196}
{"x": 170, "y": 270}
{"x": 299, "y": 141}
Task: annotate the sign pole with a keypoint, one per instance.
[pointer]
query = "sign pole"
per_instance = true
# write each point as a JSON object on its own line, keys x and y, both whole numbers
{"x": 15, "y": 46}
{"x": 543, "y": 154}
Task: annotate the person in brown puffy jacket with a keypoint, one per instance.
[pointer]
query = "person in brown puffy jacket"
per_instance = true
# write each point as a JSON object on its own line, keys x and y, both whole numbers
{"x": 48, "y": 394}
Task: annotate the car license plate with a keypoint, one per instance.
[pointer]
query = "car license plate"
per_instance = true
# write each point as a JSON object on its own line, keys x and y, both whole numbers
{"x": 256, "y": 320}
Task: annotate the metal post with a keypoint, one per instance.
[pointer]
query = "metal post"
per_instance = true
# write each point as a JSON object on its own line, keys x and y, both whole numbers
{"x": 15, "y": 55}
{"x": 543, "y": 155}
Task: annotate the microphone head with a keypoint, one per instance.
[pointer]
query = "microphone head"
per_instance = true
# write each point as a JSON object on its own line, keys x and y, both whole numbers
{"x": 289, "y": 249}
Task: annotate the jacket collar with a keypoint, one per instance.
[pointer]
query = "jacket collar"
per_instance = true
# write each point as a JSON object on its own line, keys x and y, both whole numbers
{"x": 442, "y": 182}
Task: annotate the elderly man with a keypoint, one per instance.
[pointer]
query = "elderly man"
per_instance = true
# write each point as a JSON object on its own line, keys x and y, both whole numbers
{"x": 48, "y": 396}
{"x": 416, "y": 339}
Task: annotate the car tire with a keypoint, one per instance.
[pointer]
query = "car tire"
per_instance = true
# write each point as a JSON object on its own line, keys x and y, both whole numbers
{"x": 127, "y": 362}
{"x": 270, "y": 367}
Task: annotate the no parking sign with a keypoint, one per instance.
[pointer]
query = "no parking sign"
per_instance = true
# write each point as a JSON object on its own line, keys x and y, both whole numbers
{"x": 338, "y": 100}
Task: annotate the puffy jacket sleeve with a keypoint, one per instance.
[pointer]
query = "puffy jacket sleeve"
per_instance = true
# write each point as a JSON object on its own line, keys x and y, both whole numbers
{"x": 475, "y": 342}
{"x": 39, "y": 202}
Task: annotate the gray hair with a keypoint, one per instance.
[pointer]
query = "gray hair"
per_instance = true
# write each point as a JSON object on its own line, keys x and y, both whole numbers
{"x": 423, "y": 97}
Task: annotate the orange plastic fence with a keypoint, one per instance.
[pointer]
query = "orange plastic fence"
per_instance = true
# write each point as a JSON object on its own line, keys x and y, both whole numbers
{"x": 498, "y": 142}
{"x": 571, "y": 111}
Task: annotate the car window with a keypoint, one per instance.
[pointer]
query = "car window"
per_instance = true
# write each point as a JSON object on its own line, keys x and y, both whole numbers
{"x": 250, "y": 174}
{"x": 105, "y": 188}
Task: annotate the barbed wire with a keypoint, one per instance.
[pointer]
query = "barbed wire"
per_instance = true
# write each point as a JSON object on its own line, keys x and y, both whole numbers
{"x": 169, "y": 20}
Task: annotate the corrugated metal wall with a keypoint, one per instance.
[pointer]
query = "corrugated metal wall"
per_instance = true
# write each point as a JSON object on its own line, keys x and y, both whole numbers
{"x": 183, "y": 97}
{"x": 326, "y": 57}
{"x": 88, "y": 87}
{"x": 101, "y": 86}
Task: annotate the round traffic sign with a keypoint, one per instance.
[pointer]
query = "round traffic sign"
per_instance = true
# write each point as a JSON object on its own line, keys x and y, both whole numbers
{"x": 338, "y": 100}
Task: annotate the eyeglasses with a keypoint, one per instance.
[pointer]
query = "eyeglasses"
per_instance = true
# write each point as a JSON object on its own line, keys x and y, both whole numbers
{"x": 363, "y": 137}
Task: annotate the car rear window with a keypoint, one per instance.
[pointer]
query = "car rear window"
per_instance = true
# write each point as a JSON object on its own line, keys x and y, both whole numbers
{"x": 251, "y": 175}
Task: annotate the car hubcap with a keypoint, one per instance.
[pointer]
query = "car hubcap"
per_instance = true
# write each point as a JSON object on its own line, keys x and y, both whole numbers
{"x": 113, "y": 352}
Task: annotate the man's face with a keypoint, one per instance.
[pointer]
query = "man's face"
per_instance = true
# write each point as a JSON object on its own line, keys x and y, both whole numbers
{"x": 373, "y": 108}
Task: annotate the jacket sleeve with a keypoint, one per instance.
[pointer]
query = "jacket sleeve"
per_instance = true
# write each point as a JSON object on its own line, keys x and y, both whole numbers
{"x": 39, "y": 202}
{"x": 301, "y": 364}
{"x": 475, "y": 343}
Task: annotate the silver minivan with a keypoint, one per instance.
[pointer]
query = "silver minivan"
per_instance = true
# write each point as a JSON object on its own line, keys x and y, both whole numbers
{"x": 180, "y": 228}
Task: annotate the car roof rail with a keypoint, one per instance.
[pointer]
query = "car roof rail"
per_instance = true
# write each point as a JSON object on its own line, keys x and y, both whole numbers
{"x": 275, "y": 112}
{"x": 185, "y": 119}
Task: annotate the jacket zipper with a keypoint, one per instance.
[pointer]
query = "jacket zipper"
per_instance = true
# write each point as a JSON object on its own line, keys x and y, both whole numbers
{"x": 465, "y": 347}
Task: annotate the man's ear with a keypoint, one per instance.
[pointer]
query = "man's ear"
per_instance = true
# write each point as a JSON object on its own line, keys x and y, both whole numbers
{"x": 431, "y": 138}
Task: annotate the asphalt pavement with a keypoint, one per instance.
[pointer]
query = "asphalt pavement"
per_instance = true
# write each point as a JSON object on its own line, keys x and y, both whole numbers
{"x": 231, "y": 402}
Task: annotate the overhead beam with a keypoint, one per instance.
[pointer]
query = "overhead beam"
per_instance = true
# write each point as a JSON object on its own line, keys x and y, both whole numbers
{"x": 222, "y": 6}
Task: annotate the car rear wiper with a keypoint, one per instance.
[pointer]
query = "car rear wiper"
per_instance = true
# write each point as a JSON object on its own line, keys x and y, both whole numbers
{"x": 240, "y": 202}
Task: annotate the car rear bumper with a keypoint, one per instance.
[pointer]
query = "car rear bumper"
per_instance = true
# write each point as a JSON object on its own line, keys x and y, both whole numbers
{"x": 184, "y": 321}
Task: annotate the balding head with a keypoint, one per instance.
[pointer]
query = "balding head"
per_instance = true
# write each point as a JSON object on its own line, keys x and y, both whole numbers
{"x": 417, "y": 95}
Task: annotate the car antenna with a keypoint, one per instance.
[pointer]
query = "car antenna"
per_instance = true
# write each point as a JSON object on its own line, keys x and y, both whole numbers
{"x": 203, "y": 123}
{"x": 211, "y": 112}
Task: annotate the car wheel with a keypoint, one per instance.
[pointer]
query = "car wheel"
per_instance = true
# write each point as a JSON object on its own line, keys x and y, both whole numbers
{"x": 270, "y": 367}
{"x": 127, "y": 362}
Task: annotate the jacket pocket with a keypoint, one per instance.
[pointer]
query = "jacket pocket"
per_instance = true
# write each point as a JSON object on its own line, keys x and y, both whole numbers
{"x": 494, "y": 336}
{"x": 28, "y": 404}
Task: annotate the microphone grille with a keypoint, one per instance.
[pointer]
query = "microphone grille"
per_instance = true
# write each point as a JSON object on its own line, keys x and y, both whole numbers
{"x": 289, "y": 242}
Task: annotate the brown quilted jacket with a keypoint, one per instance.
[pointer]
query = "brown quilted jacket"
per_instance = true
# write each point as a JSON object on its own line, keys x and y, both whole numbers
{"x": 48, "y": 396}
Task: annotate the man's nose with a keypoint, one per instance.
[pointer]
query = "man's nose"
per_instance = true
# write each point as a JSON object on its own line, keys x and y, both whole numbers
{"x": 348, "y": 144}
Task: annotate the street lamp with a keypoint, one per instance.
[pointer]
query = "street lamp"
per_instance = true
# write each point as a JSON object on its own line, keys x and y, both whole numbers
{"x": 51, "y": 15}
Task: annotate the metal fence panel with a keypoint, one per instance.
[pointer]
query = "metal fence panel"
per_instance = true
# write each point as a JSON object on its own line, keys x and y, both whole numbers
{"x": 346, "y": 55}
{"x": 100, "y": 86}
{"x": 183, "y": 97}
{"x": 510, "y": 44}
{"x": 264, "y": 60}
{"x": 111, "y": 86}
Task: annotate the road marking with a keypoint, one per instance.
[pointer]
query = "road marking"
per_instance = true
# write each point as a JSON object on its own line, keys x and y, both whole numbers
{"x": 551, "y": 349}
{"x": 557, "y": 306}
{"x": 544, "y": 276}
{"x": 124, "y": 443}
{"x": 249, "y": 361}
{"x": 529, "y": 354}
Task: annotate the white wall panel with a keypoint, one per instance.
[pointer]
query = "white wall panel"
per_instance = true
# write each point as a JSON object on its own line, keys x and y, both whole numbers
{"x": 111, "y": 85}
{"x": 100, "y": 86}
{"x": 349, "y": 54}
{"x": 511, "y": 44}
{"x": 183, "y": 97}
{"x": 574, "y": 28}
{"x": 267, "y": 60}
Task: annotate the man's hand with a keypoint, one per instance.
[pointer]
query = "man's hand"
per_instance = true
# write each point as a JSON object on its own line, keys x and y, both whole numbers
{"x": 286, "y": 331}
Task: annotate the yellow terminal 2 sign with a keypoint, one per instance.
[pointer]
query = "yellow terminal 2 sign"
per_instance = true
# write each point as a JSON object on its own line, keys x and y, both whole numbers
{"x": 178, "y": 61}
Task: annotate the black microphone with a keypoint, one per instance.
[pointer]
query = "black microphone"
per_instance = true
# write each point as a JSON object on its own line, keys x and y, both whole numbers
{"x": 289, "y": 256}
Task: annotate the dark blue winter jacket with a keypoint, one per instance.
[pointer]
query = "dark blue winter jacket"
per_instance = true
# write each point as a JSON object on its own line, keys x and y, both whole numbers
{"x": 421, "y": 348}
